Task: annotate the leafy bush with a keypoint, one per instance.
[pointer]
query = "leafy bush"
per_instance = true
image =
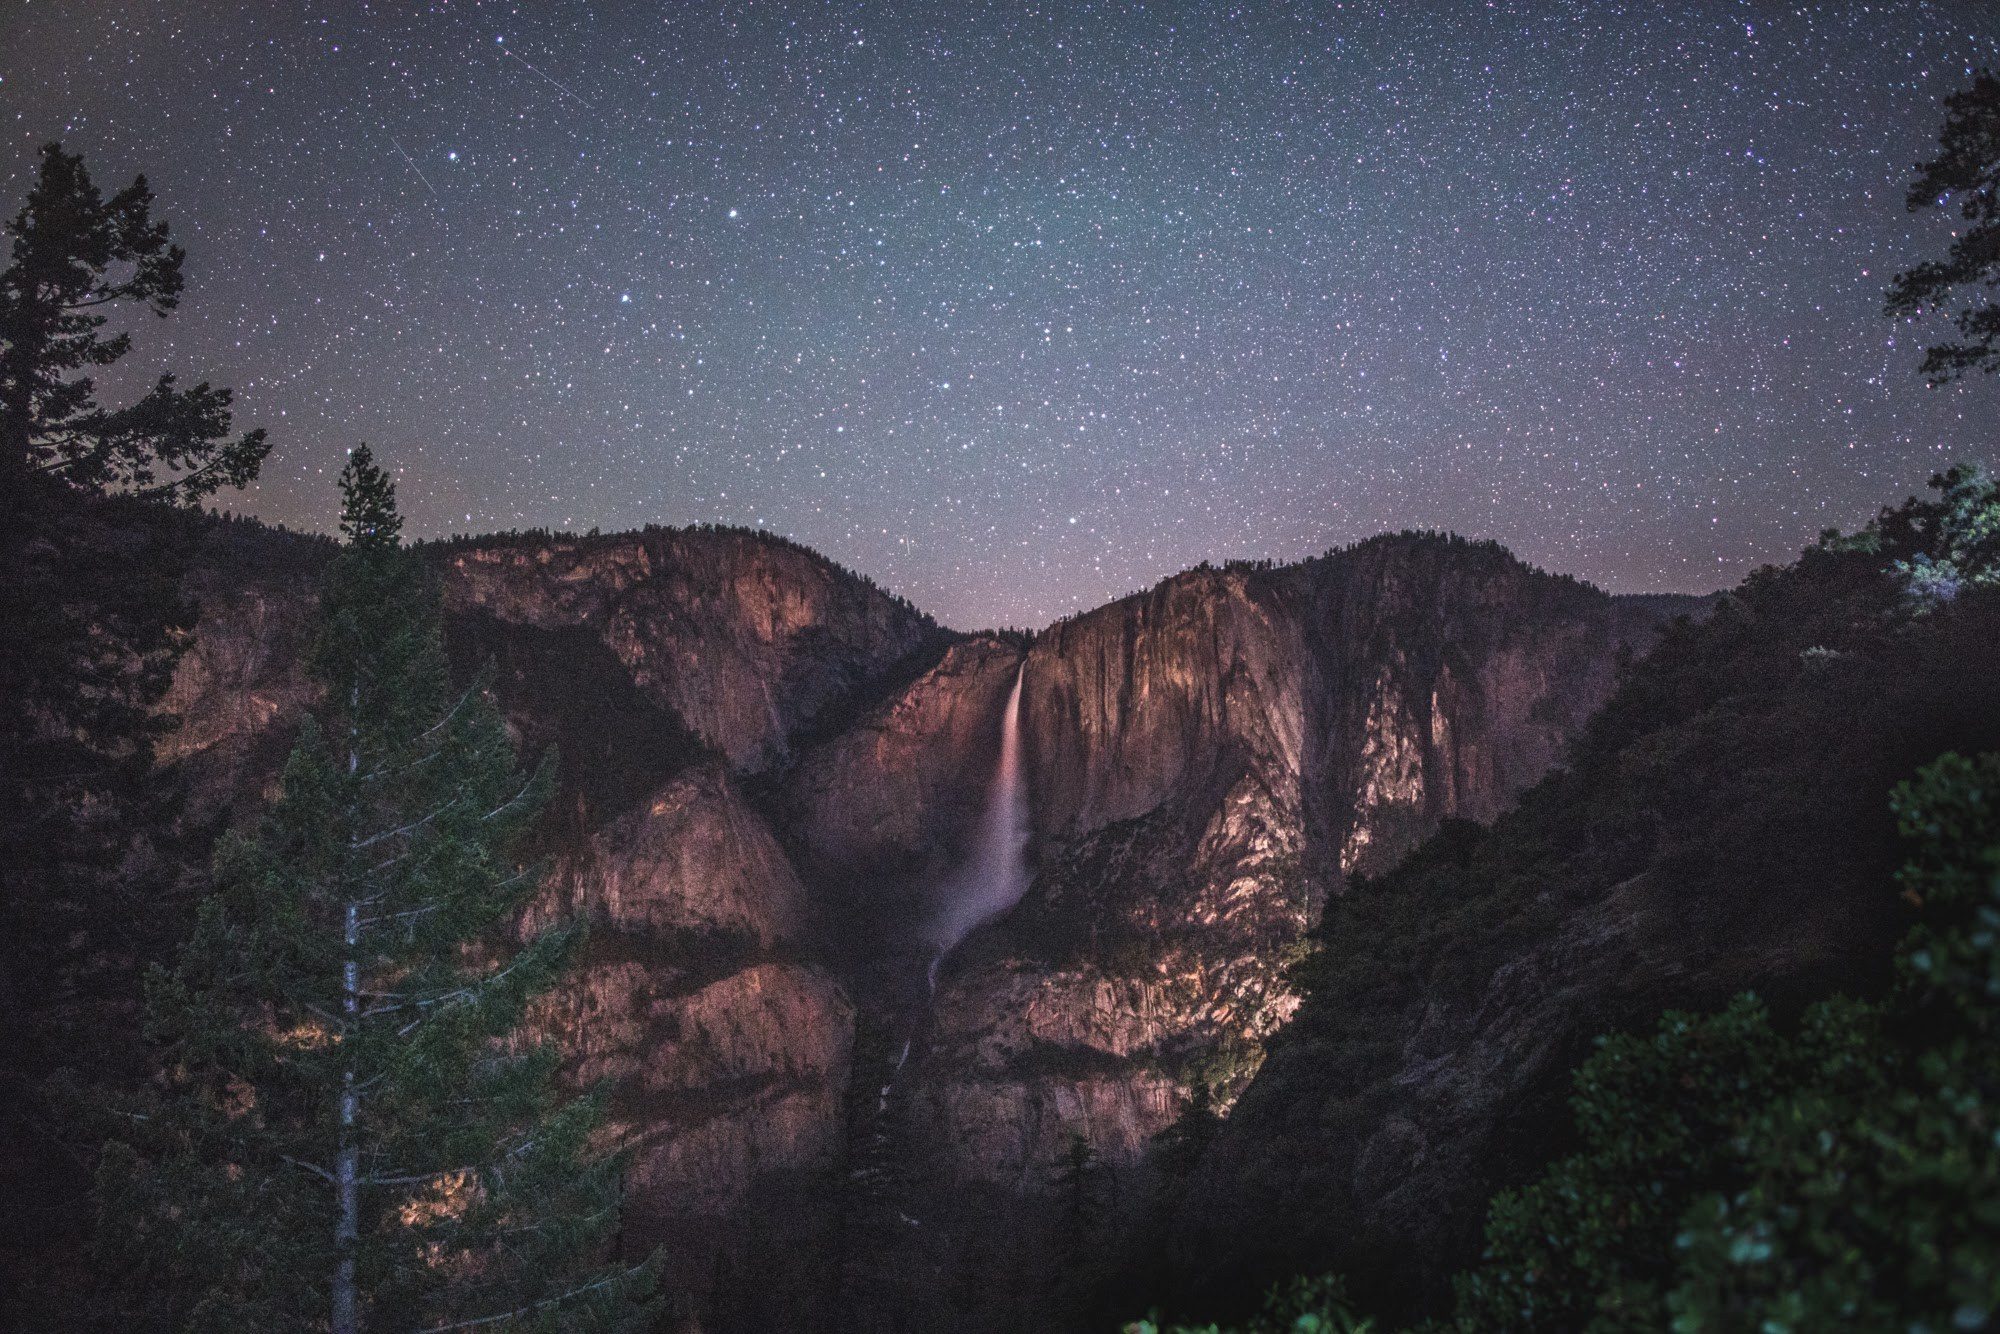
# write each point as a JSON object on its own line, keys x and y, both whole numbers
{"x": 1962, "y": 546}
{"x": 1842, "y": 1174}
{"x": 1303, "y": 1306}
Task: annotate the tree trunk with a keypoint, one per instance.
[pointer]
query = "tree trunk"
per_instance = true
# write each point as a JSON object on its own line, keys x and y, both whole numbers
{"x": 347, "y": 1231}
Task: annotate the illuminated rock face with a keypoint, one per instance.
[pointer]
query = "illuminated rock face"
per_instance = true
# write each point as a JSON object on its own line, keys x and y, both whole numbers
{"x": 729, "y": 1059}
{"x": 665, "y": 667}
{"x": 892, "y": 796}
{"x": 1204, "y": 762}
{"x": 746, "y": 638}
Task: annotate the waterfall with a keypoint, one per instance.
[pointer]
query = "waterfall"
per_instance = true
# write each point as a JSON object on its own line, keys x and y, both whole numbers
{"x": 995, "y": 874}
{"x": 992, "y": 879}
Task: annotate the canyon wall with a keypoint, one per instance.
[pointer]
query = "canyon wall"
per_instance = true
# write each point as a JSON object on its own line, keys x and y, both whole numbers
{"x": 1207, "y": 761}
{"x": 1723, "y": 825}
{"x": 664, "y": 667}
{"x": 769, "y": 764}
{"x": 749, "y": 639}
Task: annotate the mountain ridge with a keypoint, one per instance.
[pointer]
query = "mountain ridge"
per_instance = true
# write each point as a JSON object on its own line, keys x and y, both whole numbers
{"x": 771, "y": 762}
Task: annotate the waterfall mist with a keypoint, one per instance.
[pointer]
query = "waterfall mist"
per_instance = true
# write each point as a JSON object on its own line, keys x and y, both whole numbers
{"x": 995, "y": 874}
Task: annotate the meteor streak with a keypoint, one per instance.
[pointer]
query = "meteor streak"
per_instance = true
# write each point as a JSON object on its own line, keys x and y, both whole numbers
{"x": 419, "y": 170}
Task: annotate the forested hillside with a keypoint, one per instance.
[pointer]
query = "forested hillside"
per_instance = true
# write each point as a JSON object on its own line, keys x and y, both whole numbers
{"x": 1724, "y": 823}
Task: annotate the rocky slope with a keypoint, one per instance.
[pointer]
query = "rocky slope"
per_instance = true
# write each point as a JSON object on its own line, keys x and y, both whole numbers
{"x": 662, "y": 666}
{"x": 882, "y": 808}
{"x": 1724, "y": 825}
{"x": 1207, "y": 761}
{"x": 729, "y": 1052}
{"x": 769, "y": 765}
{"x": 748, "y": 639}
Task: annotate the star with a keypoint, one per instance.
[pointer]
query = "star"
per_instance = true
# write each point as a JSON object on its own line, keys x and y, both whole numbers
{"x": 1603, "y": 286}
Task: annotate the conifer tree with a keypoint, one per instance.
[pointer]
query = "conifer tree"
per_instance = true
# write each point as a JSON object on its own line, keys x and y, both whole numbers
{"x": 351, "y": 1134}
{"x": 75, "y": 254}
{"x": 92, "y": 621}
{"x": 1963, "y": 178}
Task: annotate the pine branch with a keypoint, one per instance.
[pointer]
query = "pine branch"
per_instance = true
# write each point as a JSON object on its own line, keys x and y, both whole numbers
{"x": 181, "y": 481}
{"x": 404, "y": 915}
{"x": 541, "y": 1305}
{"x": 391, "y": 770}
{"x": 409, "y": 828}
{"x": 60, "y": 465}
{"x": 514, "y": 800}
{"x": 444, "y": 1001}
{"x": 580, "y": 1221}
{"x": 463, "y": 1169}
{"x": 450, "y": 713}
{"x": 313, "y": 1168}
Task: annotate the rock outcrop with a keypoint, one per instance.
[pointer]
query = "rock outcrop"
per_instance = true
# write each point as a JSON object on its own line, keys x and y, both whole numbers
{"x": 886, "y": 802}
{"x": 1723, "y": 825}
{"x": 662, "y": 666}
{"x": 770, "y": 765}
{"x": 240, "y": 688}
{"x": 747, "y": 638}
{"x": 728, "y": 1052}
{"x": 1207, "y": 761}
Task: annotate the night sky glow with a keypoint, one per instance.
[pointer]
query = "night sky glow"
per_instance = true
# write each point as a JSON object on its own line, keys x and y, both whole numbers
{"x": 1019, "y": 307}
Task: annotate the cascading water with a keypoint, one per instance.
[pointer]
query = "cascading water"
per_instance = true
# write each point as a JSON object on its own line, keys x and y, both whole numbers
{"x": 881, "y": 1208}
{"x": 995, "y": 874}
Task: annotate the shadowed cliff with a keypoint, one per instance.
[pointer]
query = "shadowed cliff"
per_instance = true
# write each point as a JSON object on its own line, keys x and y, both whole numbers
{"x": 771, "y": 767}
{"x": 1722, "y": 824}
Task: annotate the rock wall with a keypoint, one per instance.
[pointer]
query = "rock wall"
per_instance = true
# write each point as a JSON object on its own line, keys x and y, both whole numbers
{"x": 747, "y": 638}
{"x": 661, "y": 665}
{"x": 886, "y": 801}
{"x": 1207, "y": 761}
{"x": 769, "y": 763}
{"x": 1127, "y": 705}
{"x": 1449, "y": 677}
{"x": 1724, "y": 825}
{"x": 728, "y": 1052}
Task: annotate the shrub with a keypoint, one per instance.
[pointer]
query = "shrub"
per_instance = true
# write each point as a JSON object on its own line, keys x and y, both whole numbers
{"x": 1843, "y": 1173}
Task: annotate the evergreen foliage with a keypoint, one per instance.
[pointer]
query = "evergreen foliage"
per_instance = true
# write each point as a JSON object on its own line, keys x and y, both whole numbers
{"x": 1302, "y": 1306}
{"x": 92, "y": 619}
{"x": 74, "y": 254}
{"x": 1738, "y": 1175}
{"x": 1961, "y": 542}
{"x": 351, "y": 1132}
{"x": 1963, "y": 177}
{"x": 92, "y": 859}
{"x": 1733, "y": 784}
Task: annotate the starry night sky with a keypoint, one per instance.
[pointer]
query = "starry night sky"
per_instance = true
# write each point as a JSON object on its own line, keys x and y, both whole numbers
{"x": 1019, "y": 307}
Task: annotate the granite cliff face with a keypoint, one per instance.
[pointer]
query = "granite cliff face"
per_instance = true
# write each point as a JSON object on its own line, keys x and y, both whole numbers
{"x": 770, "y": 767}
{"x": 746, "y": 638}
{"x": 728, "y": 1049}
{"x": 664, "y": 667}
{"x": 240, "y": 689}
{"x": 884, "y": 805}
{"x": 1207, "y": 761}
{"x": 1723, "y": 824}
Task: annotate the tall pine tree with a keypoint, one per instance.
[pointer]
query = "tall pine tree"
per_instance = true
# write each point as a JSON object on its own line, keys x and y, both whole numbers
{"x": 92, "y": 621}
{"x": 75, "y": 255}
{"x": 351, "y": 1134}
{"x": 1964, "y": 178}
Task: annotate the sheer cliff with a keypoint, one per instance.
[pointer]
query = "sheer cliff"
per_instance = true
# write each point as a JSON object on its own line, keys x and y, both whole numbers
{"x": 1722, "y": 824}
{"x": 1207, "y": 761}
{"x": 665, "y": 667}
{"x": 771, "y": 767}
